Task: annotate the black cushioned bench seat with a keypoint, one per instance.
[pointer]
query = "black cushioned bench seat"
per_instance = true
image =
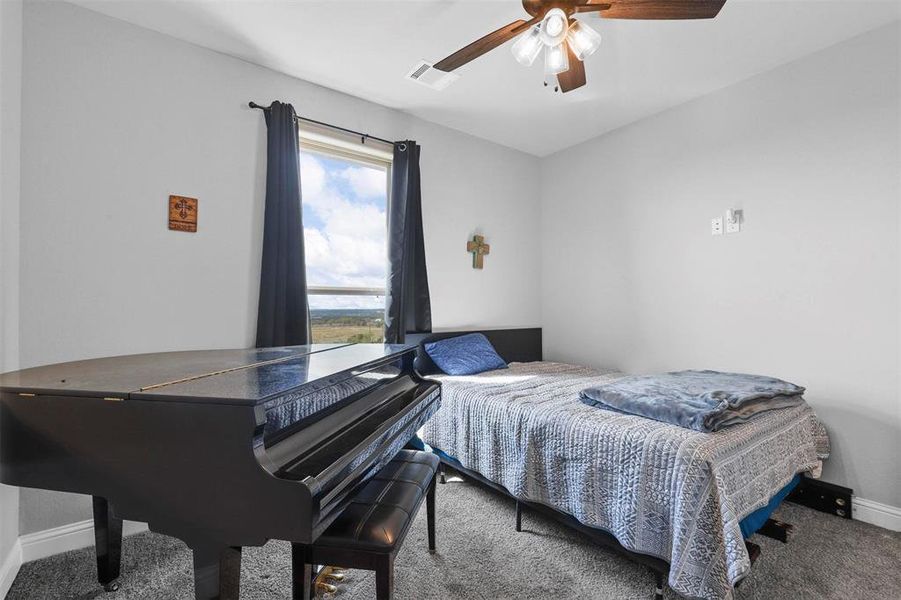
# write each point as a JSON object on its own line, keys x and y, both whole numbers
{"x": 369, "y": 532}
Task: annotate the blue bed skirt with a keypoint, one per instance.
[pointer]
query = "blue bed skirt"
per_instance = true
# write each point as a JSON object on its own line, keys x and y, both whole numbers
{"x": 749, "y": 525}
{"x": 754, "y": 521}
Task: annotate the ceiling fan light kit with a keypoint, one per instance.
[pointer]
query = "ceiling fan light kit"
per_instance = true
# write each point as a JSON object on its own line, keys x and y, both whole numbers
{"x": 551, "y": 35}
{"x": 567, "y": 42}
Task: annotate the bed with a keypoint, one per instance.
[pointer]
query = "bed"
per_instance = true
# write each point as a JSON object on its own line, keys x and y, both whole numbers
{"x": 673, "y": 497}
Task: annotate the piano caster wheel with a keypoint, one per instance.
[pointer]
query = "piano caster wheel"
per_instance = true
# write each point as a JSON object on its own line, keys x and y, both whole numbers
{"x": 339, "y": 577}
{"x": 112, "y": 586}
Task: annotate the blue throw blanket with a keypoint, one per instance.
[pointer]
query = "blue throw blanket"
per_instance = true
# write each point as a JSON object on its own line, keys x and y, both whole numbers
{"x": 699, "y": 400}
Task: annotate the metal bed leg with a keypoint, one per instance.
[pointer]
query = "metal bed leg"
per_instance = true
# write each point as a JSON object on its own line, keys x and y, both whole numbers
{"x": 518, "y": 516}
{"x": 430, "y": 514}
{"x": 658, "y": 593}
{"x": 778, "y": 530}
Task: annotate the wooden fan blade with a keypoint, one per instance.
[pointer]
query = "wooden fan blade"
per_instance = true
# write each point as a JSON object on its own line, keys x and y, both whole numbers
{"x": 573, "y": 78}
{"x": 661, "y": 9}
{"x": 592, "y": 6}
{"x": 482, "y": 45}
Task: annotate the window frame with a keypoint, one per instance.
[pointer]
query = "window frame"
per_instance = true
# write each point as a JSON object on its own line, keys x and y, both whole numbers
{"x": 373, "y": 153}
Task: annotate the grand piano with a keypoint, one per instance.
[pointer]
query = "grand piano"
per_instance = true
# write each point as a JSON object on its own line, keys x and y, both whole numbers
{"x": 222, "y": 448}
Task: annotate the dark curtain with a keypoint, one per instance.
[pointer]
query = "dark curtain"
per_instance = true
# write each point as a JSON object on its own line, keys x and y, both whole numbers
{"x": 284, "y": 315}
{"x": 407, "y": 305}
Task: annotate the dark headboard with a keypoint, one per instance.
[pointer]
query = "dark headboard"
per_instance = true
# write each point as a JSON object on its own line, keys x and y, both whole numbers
{"x": 514, "y": 345}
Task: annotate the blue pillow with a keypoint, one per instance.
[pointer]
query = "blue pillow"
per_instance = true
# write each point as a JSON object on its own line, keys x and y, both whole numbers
{"x": 465, "y": 355}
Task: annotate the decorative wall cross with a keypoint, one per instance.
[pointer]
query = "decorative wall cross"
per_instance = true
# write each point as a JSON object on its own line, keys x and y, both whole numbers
{"x": 479, "y": 249}
{"x": 183, "y": 213}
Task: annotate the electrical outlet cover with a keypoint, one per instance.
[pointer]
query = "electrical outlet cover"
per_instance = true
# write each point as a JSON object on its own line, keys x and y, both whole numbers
{"x": 733, "y": 227}
{"x": 716, "y": 226}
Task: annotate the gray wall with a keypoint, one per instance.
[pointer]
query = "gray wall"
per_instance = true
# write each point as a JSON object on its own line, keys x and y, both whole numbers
{"x": 117, "y": 117}
{"x": 10, "y": 130}
{"x": 809, "y": 291}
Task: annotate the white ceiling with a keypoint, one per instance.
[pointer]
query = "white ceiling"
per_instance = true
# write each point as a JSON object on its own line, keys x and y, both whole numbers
{"x": 365, "y": 48}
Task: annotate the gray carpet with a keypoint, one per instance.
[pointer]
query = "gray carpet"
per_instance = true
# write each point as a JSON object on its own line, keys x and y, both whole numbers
{"x": 481, "y": 556}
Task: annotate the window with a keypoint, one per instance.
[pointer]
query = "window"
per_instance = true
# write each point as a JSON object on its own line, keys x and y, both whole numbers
{"x": 345, "y": 196}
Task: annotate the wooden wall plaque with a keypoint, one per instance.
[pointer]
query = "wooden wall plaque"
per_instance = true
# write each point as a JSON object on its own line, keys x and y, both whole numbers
{"x": 183, "y": 214}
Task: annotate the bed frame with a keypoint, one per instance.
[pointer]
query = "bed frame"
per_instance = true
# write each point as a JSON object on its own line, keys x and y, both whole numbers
{"x": 525, "y": 345}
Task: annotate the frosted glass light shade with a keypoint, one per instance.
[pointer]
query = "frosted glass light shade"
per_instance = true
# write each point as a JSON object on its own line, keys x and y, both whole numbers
{"x": 554, "y": 27}
{"x": 583, "y": 39}
{"x": 556, "y": 60}
{"x": 528, "y": 46}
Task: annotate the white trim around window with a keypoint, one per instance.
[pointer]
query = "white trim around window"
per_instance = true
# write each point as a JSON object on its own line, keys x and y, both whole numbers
{"x": 324, "y": 290}
{"x": 315, "y": 138}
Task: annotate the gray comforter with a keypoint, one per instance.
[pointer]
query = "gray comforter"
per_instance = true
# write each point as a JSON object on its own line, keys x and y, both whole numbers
{"x": 660, "y": 489}
{"x": 700, "y": 400}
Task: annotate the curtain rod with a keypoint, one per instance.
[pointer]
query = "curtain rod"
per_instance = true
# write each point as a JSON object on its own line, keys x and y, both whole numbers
{"x": 363, "y": 136}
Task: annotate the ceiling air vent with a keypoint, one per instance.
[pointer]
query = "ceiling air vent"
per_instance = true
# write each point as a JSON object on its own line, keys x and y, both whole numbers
{"x": 429, "y": 76}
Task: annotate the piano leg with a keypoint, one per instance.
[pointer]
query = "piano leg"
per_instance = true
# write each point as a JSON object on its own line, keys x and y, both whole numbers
{"x": 303, "y": 574}
{"x": 217, "y": 572}
{"x": 108, "y": 544}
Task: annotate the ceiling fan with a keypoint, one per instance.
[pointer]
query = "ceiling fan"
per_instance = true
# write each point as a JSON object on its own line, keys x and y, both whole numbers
{"x": 566, "y": 40}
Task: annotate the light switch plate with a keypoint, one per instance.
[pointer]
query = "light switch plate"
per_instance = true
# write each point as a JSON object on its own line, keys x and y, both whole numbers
{"x": 716, "y": 226}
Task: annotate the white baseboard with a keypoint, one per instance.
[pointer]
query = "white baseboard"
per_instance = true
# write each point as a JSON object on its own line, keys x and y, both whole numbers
{"x": 10, "y": 568}
{"x": 876, "y": 513}
{"x": 73, "y": 536}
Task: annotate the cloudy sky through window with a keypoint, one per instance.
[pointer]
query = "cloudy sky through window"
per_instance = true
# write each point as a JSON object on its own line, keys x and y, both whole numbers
{"x": 345, "y": 229}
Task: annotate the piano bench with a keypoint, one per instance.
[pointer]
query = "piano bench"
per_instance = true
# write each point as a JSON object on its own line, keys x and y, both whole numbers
{"x": 370, "y": 531}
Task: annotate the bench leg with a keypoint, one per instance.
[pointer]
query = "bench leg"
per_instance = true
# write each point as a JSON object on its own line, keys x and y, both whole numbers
{"x": 658, "y": 593}
{"x": 217, "y": 572}
{"x": 384, "y": 578}
{"x": 430, "y": 514}
{"x": 518, "y": 516}
{"x": 108, "y": 544}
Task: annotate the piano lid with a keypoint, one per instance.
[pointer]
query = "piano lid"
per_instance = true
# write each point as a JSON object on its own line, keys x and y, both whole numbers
{"x": 247, "y": 376}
